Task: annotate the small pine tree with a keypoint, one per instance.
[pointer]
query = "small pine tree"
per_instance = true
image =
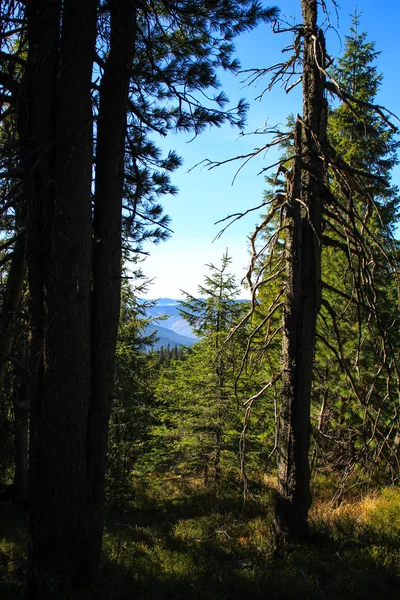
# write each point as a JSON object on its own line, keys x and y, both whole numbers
{"x": 200, "y": 422}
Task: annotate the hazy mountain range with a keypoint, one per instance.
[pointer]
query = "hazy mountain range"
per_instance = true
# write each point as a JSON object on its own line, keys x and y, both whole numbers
{"x": 171, "y": 330}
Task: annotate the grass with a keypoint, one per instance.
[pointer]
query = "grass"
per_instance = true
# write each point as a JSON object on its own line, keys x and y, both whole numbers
{"x": 12, "y": 552}
{"x": 178, "y": 540}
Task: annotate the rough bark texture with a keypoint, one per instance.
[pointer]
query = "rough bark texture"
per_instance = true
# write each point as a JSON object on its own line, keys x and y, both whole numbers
{"x": 11, "y": 302}
{"x": 107, "y": 232}
{"x": 74, "y": 287}
{"x": 36, "y": 133}
{"x": 303, "y": 287}
{"x": 55, "y": 127}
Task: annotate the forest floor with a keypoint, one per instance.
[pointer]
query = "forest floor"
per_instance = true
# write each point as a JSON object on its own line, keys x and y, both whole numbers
{"x": 178, "y": 540}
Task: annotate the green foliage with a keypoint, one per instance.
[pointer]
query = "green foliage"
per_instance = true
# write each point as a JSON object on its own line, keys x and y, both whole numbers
{"x": 216, "y": 311}
{"x": 180, "y": 46}
{"x": 199, "y": 412}
{"x": 357, "y": 132}
{"x": 355, "y": 382}
{"x": 166, "y": 354}
{"x": 131, "y": 414}
{"x": 195, "y": 405}
{"x": 13, "y": 549}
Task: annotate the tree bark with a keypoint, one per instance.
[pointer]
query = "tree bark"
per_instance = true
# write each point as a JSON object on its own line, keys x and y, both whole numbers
{"x": 74, "y": 267}
{"x": 107, "y": 235}
{"x": 217, "y": 455}
{"x": 303, "y": 292}
{"x": 55, "y": 126}
{"x": 21, "y": 437}
{"x": 11, "y": 301}
{"x": 8, "y": 325}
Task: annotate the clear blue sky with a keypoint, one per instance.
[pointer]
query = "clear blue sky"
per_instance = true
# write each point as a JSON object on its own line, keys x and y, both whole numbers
{"x": 207, "y": 196}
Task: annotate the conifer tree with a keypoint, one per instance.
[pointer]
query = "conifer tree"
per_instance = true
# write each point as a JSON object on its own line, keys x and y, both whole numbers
{"x": 131, "y": 414}
{"x": 350, "y": 377}
{"x": 325, "y": 206}
{"x": 199, "y": 405}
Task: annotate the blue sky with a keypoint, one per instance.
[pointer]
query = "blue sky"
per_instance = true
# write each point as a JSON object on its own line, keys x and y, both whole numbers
{"x": 207, "y": 196}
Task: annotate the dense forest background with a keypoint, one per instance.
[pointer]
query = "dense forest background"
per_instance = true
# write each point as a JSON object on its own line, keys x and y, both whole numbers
{"x": 264, "y": 458}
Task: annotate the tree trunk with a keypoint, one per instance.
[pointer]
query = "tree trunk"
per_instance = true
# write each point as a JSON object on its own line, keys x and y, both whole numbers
{"x": 217, "y": 455}
{"x": 74, "y": 287}
{"x": 11, "y": 302}
{"x": 303, "y": 292}
{"x": 55, "y": 124}
{"x": 21, "y": 433}
{"x": 11, "y": 305}
{"x": 107, "y": 253}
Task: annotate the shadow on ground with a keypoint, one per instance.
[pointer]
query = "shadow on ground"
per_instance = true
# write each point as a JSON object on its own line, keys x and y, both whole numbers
{"x": 190, "y": 544}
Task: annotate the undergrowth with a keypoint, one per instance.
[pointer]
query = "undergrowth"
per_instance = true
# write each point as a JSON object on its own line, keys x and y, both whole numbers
{"x": 178, "y": 539}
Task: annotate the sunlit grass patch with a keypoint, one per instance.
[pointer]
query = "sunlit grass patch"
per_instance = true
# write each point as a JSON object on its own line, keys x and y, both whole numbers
{"x": 377, "y": 513}
{"x": 380, "y": 515}
{"x": 366, "y": 532}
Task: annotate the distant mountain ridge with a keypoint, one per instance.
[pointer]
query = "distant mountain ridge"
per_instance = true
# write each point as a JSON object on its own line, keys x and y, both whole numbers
{"x": 172, "y": 329}
{"x": 169, "y": 308}
{"x": 168, "y": 337}
{"x": 166, "y": 301}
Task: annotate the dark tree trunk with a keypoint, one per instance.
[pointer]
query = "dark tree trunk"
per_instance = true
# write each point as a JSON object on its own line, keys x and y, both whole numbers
{"x": 217, "y": 456}
{"x": 303, "y": 287}
{"x": 74, "y": 287}
{"x": 55, "y": 125}
{"x": 8, "y": 325}
{"x": 21, "y": 432}
{"x": 11, "y": 301}
{"x": 205, "y": 471}
{"x": 107, "y": 235}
